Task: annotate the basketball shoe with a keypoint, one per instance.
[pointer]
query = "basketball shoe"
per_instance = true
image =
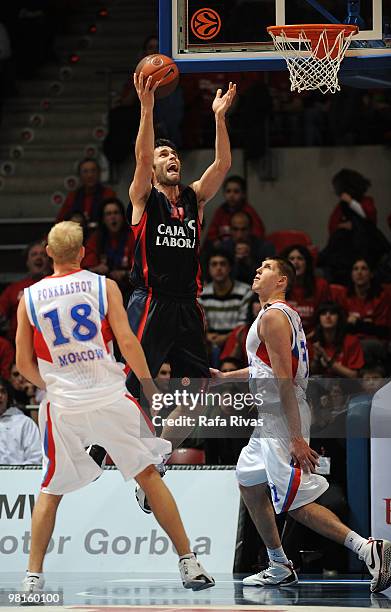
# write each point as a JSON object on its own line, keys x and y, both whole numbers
{"x": 194, "y": 575}
{"x": 32, "y": 583}
{"x": 139, "y": 493}
{"x": 377, "y": 556}
{"x": 277, "y": 574}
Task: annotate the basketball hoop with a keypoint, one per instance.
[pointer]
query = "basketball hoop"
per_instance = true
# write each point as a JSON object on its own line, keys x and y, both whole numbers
{"x": 313, "y": 53}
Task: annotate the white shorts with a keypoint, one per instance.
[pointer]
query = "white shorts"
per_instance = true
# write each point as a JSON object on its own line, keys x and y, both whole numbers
{"x": 121, "y": 427}
{"x": 267, "y": 459}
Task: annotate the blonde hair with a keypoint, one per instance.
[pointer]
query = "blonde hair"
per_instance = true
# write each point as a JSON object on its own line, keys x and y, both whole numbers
{"x": 65, "y": 240}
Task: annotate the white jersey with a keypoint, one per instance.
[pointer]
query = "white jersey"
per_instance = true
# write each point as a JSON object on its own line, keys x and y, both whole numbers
{"x": 72, "y": 337}
{"x": 259, "y": 362}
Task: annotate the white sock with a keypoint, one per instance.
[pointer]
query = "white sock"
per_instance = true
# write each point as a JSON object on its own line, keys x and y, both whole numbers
{"x": 38, "y": 574}
{"x": 189, "y": 555}
{"x": 355, "y": 542}
{"x": 277, "y": 555}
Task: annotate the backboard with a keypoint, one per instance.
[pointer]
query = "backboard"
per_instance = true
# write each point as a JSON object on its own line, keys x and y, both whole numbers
{"x": 230, "y": 35}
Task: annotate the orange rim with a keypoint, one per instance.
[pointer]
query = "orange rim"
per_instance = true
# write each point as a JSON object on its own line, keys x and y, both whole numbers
{"x": 313, "y": 29}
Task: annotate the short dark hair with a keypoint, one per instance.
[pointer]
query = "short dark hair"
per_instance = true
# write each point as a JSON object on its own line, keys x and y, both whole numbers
{"x": 244, "y": 214}
{"x": 41, "y": 243}
{"x": 116, "y": 201}
{"x": 85, "y": 161}
{"x": 235, "y": 178}
{"x": 374, "y": 368}
{"x": 222, "y": 253}
{"x": 351, "y": 182}
{"x": 286, "y": 269}
{"x": 375, "y": 287}
{"x": 107, "y": 201}
{"x": 164, "y": 142}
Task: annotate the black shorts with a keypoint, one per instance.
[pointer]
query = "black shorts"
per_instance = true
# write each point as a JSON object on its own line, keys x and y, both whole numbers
{"x": 171, "y": 331}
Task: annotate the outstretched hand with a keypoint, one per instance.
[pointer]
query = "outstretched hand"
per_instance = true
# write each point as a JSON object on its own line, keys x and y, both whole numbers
{"x": 222, "y": 103}
{"x": 145, "y": 89}
{"x": 217, "y": 377}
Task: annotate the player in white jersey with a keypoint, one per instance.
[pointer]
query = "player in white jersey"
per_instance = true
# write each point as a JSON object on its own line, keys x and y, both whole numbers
{"x": 66, "y": 324}
{"x": 278, "y": 454}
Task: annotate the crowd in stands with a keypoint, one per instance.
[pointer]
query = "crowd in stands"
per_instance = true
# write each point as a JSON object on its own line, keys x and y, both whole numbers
{"x": 266, "y": 113}
{"x": 342, "y": 290}
{"x": 339, "y": 291}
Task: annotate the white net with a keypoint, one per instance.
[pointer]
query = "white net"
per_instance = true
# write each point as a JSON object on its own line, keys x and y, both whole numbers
{"x": 313, "y": 66}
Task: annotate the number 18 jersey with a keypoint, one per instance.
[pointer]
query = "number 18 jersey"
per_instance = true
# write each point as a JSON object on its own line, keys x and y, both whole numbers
{"x": 72, "y": 337}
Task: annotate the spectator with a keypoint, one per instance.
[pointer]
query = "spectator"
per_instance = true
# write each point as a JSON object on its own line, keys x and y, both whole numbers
{"x": 235, "y": 346}
{"x": 162, "y": 382}
{"x": 309, "y": 291}
{"x": 333, "y": 352}
{"x": 225, "y": 301}
{"x": 372, "y": 379}
{"x": 78, "y": 217}
{"x": 20, "y": 442}
{"x": 368, "y": 312}
{"x": 351, "y": 186}
{"x": 163, "y": 377}
{"x": 23, "y": 392}
{"x": 109, "y": 250}
{"x": 7, "y": 356}
{"x": 235, "y": 200}
{"x": 88, "y": 198}
{"x": 353, "y": 231}
{"x": 247, "y": 250}
{"x": 38, "y": 265}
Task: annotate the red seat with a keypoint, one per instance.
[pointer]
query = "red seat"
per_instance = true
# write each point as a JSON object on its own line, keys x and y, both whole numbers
{"x": 187, "y": 456}
{"x": 285, "y": 238}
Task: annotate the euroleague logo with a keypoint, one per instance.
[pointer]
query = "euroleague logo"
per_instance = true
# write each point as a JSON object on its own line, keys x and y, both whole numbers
{"x": 156, "y": 61}
{"x": 205, "y": 23}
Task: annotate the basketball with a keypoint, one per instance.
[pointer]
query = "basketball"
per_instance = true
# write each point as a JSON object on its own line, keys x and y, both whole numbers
{"x": 160, "y": 67}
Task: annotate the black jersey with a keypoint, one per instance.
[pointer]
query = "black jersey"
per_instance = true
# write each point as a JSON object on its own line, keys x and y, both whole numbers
{"x": 166, "y": 250}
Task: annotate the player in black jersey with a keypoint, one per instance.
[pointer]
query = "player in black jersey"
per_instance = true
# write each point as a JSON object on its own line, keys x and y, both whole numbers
{"x": 166, "y": 221}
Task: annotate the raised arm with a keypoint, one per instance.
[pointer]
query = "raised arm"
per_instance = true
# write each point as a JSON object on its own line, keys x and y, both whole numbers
{"x": 210, "y": 182}
{"x": 141, "y": 186}
{"x": 275, "y": 331}
{"x": 25, "y": 357}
